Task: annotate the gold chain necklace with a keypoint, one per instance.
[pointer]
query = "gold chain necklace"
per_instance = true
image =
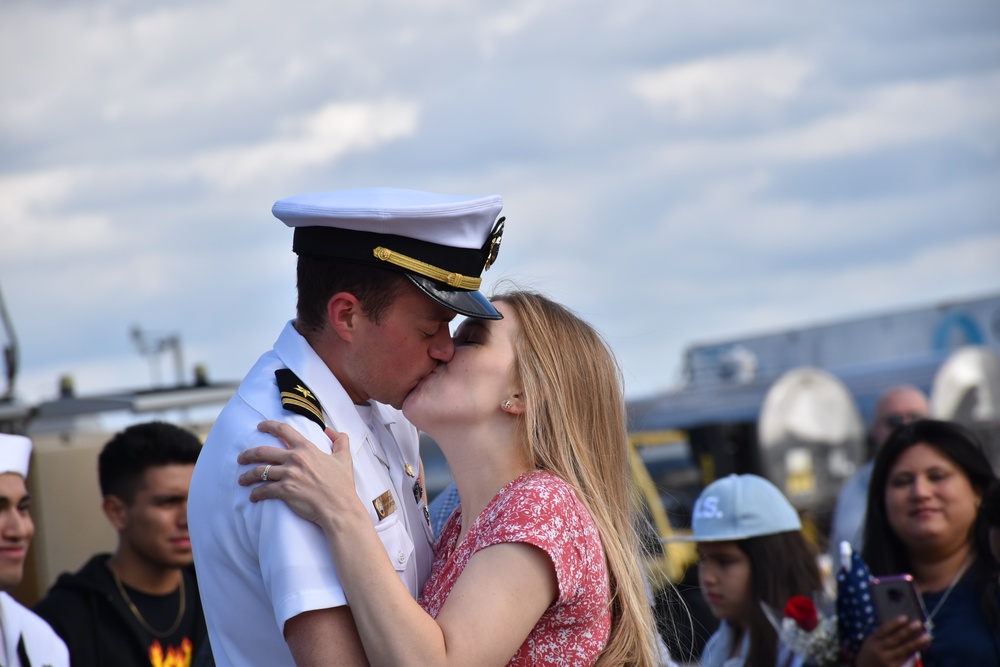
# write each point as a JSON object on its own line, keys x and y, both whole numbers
{"x": 138, "y": 616}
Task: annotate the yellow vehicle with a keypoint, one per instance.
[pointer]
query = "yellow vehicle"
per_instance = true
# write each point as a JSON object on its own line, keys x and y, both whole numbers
{"x": 668, "y": 479}
{"x": 665, "y": 561}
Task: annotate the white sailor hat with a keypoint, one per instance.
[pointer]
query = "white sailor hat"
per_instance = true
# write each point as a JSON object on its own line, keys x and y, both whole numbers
{"x": 442, "y": 243}
{"x": 15, "y": 452}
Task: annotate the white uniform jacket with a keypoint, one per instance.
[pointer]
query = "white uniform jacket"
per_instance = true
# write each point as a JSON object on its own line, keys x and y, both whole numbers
{"x": 42, "y": 646}
{"x": 259, "y": 564}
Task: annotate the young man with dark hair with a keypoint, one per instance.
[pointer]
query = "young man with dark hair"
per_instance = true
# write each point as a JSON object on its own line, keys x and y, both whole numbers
{"x": 140, "y": 605}
{"x": 381, "y": 273}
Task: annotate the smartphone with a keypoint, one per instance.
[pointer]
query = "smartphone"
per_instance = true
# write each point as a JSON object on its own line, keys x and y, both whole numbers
{"x": 895, "y": 596}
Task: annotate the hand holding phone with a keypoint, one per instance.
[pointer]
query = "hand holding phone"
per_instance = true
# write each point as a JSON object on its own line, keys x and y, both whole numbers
{"x": 896, "y": 596}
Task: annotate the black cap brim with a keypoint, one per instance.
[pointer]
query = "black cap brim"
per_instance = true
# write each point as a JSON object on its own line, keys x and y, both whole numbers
{"x": 463, "y": 302}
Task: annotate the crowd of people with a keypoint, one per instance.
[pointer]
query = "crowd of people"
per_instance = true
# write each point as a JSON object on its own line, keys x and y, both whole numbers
{"x": 141, "y": 603}
{"x": 306, "y": 517}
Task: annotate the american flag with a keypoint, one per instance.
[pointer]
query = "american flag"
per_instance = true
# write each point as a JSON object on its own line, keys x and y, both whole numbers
{"x": 855, "y": 608}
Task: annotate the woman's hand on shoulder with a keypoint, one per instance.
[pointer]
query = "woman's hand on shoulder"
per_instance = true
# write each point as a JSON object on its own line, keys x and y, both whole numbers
{"x": 893, "y": 643}
{"x": 317, "y": 486}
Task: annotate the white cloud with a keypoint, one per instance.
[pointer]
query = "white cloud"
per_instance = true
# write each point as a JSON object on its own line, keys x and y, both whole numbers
{"x": 971, "y": 265}
{"x": 32, "y": 224}
{"x": 893, "y": 115}
{"x": 724, "y": 87}
{"x": 509, "y": 21}
{"x": 962, "y": 110}
{"x": 315, "y": 140}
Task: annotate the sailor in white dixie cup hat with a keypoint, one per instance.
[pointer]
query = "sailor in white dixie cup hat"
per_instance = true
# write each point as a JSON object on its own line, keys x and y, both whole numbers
{"x": 26, "y": 638}
{"x": 381, "y": 273}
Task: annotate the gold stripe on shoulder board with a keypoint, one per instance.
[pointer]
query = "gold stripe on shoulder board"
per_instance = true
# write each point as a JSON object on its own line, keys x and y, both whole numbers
{"x": 296, "y": 396}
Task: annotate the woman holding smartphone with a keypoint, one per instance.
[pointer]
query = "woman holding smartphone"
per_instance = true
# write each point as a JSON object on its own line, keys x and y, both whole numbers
{"x": 923, "y": 519}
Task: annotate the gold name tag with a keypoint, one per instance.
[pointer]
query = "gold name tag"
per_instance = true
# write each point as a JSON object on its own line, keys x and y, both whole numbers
{"x": 384, "y": 505}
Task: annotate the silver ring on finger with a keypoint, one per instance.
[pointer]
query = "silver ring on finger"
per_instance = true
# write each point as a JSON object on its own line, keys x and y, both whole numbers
{"x": 263, "y": 475}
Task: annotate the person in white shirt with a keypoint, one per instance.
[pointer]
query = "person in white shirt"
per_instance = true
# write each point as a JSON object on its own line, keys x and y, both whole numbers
{"x": 26, "y": 639}
{"x": 381, "y": 273}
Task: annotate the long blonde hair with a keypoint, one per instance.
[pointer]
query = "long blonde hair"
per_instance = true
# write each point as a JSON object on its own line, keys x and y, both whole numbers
{"x": 574, "y": 423}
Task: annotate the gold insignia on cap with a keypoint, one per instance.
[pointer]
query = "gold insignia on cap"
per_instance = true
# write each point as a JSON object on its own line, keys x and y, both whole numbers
{"x": 449, "y": 278}
{"x": 494, "y": 243}
{"x": 384, "y": 505}
{"x": 409, "y": 469}
{"x": 296, "y": 397}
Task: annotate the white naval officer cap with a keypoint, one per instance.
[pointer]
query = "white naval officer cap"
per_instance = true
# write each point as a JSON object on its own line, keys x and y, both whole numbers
{"x": 442, "y": 243}
{"x": 15, "y": 452}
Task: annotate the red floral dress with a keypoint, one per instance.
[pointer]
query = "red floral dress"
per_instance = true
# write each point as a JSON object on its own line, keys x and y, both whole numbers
{"x": 539, "y": 509}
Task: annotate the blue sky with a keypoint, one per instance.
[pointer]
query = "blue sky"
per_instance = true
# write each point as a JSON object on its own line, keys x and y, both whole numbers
{"x": 674, "y": 171}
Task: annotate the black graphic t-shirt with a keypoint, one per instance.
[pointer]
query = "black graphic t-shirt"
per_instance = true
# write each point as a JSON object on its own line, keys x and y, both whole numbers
{"x": 160, "y": 613}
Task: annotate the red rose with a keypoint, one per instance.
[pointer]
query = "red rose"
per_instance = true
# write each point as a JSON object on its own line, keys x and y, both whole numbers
{"x": 801, "y": 609}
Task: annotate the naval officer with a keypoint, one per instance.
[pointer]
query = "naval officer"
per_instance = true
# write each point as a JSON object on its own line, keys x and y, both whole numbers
{"x": 25, "y": 639}
{"x": 381, "y": 273}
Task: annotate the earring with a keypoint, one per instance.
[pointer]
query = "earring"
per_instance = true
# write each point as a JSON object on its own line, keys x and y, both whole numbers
{"x": 507, "y": 404}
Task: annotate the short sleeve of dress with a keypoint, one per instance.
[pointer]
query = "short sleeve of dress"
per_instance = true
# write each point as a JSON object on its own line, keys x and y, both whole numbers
{"x": 542, "y": 510}
{"x": 539, "y": 509}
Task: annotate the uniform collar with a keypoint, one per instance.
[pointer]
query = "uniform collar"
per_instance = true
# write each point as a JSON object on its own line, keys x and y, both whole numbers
{"x": 339, "y": 411}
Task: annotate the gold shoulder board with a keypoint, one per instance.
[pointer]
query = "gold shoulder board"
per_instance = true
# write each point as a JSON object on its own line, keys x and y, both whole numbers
{"x": 296, "y": 397}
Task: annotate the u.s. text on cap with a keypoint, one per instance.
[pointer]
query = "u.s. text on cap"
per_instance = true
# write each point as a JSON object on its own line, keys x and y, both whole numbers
{"x": 15, "y": 453}
{"x": 442, "y": 243}
{"x": 739, "y": 507}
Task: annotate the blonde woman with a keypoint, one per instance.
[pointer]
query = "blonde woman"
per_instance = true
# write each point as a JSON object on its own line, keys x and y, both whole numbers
{"x": 539, "y": 564}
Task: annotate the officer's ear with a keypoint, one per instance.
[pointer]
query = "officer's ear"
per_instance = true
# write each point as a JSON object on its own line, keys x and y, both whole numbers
{"x": 342, "y": 313}
{"x": 115, "y": 509}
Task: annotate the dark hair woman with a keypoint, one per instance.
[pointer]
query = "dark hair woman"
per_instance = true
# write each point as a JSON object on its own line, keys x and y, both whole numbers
{"x": 924, "y": 519}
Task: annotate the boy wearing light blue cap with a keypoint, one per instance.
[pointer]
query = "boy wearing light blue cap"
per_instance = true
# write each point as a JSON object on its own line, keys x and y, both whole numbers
{"x": 381, "y": 273}
{"x": 751, "y": 550}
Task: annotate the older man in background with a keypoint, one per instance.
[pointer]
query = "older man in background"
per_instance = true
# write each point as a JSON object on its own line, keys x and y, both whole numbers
{"x": 896, "y": 406}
